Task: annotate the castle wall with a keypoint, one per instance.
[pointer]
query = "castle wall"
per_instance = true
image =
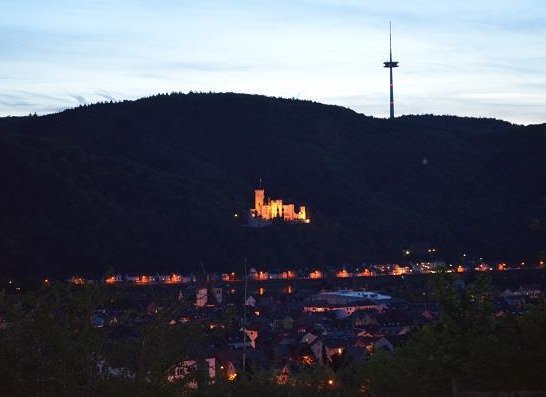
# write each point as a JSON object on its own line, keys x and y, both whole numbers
{"x": 289, "y": 213}
{"x": 266, "y": 212}
{"x": 276, "y": 208}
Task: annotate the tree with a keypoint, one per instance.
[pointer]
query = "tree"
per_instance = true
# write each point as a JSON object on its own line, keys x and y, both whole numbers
{"x": 49, "y": 346}
{"x": 441, "y": 355}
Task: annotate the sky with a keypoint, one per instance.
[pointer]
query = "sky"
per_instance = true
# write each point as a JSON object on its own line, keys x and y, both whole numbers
{"x": 484, "y": 58}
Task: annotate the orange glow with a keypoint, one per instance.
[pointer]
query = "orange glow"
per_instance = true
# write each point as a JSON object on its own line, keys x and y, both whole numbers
{"x": 261, "y": 291}
{"x": 46, "y": 281}
{"x": 262, "y": 276}
{"x": 307, "y": 360}
{"x": 342, "y": 274}
{"x": 110, "y": 280}
{"x": 398, "y": 270}
{"x": 289, "y": 289}
{"x": 315, "y": 274}
{"x": 541, "y": 264}
{"x": 288, "y": 274}
{"x": 232, "y": 377}
{"x": 282, "y": 379}
{"x": 365, "y": 273}
{"x": 77, "y": 280}
{"x": 173, "y": 279}
{"x": 330, "y": 382}
{"x": 501, "y": 266}
{"x": 144, "y": 280}
{"x": 482, "y": 267}
{"x": 460, "y": 269}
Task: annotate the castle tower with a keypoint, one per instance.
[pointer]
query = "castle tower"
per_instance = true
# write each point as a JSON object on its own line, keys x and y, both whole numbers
{"x": 391, "y": 64}
{"x": 302, "y": 213}
{"x": 259, "y": 200}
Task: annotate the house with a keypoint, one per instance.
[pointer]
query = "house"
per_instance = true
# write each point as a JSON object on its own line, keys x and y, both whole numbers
{"x": 334, "y": 347}
{"x": 363, "y": 318}
{"x": 229, "y": 363}
{"x": 188, "y": 369}
{"x": 284, "y": 374}
{"x": 252, "y": 335}
{"x": 372, "y": 344}
{"x": 311, "y": 349}
{"x": 394, "y": 323}
{"x": 251, "y": 301}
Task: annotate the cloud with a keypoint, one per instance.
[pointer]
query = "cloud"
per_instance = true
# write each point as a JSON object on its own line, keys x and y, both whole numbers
{"x": 106, "y": 95}
{"x": 80, "y": 99}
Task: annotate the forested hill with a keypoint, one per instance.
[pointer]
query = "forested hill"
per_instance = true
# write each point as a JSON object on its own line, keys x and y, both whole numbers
{"x": 153, "y": 185}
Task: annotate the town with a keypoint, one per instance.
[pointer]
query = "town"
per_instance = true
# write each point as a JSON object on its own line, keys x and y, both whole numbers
{"x": 282, "y": 323}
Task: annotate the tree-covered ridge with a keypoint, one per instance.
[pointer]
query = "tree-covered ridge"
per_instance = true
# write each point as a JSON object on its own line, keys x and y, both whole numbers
{"x": 152, "y": 185}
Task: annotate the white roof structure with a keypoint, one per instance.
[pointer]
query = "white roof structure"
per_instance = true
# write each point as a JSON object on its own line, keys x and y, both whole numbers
{"x": 350, "y": 294}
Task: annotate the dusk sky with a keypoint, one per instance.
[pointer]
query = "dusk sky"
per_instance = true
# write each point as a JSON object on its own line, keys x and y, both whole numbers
{"x": 468, "y": 58}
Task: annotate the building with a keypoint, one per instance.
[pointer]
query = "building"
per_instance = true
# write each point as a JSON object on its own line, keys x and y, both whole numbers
{"x": 267, "y": 210}
{"x": 342, "y": 310}
{"x": 349, "y": 296}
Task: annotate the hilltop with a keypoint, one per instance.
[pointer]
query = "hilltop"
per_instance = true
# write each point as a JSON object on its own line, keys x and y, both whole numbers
{"x": 153, "y": 185}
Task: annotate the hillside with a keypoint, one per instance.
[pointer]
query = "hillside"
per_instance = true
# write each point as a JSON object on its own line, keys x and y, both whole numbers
{"x": 152, "y": 185}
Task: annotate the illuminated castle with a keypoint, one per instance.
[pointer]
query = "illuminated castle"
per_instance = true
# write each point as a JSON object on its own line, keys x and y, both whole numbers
{"x": 266, "y": 211}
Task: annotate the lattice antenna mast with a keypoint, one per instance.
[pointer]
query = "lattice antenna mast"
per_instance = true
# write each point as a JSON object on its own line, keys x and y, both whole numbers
{"x": 390, "y": 41}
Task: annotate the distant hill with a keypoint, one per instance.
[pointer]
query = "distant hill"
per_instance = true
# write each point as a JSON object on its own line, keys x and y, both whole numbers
{"x": 153, "y": 185}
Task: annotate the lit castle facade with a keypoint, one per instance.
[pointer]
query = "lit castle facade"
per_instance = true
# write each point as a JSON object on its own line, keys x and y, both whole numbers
{"x": 266, "y": 210}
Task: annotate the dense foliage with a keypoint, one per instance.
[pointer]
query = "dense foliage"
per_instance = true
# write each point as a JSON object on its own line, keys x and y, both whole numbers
{"x": 49, "y": 346}
{"x": 472, "y": 348}
{"x": 153, "y": 185}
